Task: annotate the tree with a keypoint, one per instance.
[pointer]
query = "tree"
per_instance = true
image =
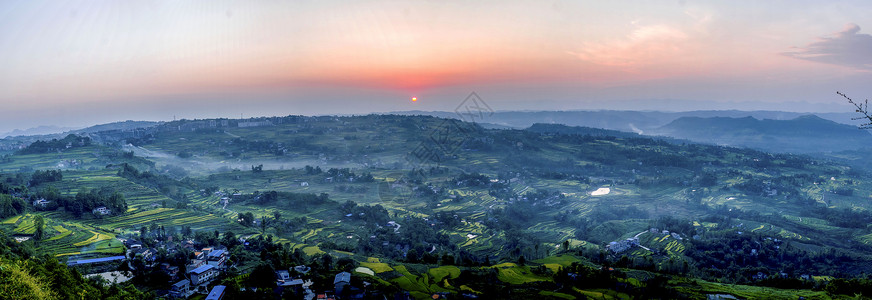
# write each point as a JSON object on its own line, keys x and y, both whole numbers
{"x": 263, "y": 276}
{"x": 39, "y": 223}
{"x": 412, "y": 256}
{"x": 264, "y": 223}
{"x": 229, "y": 239}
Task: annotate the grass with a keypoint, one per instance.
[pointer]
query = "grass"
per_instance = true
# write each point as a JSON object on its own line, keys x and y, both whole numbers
{"x": 377, "y": 267}
{"x": 11, "y": 220}
{"x": 556, "y": 295}
{"x": 514, "y": 274}
{"x": 440, "y": 273}
{"x": 556, "y": 262}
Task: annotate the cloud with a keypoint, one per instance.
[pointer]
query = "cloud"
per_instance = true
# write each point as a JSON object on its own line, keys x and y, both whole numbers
{"x": 645, "y": 45}
{"x": 848, "y": 48}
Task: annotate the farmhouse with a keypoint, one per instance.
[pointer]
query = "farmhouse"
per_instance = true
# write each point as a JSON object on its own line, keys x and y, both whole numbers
{"x": 341, "y": 280}
{"x": 283, "y": 278}
{"x": 102, "y": 210}
{"x": 621, "y": 246}
{"x": 41, "y": 203}
{"x": 203, "y": 274}
{"x": 217, "y": 258}
{"x": 181, "y": 289}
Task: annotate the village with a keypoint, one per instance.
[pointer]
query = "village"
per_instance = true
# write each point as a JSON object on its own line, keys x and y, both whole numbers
{"x": 207, "y": 267}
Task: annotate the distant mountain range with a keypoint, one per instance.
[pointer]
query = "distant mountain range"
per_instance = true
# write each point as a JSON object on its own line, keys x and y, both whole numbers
{"x": 40, "y": 130}
{"x": 771, "y": 131}
{"x": 804, "y": 134}
{"x": 630, "y": 121}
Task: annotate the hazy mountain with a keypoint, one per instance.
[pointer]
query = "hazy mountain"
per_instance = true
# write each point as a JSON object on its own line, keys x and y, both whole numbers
{"x": 580, "y": 130}
{"x": 804, "y": 134}
{"x": 41, "y": 130}
{"x": 630, "y": 121}
{"x": 123, "y": 125}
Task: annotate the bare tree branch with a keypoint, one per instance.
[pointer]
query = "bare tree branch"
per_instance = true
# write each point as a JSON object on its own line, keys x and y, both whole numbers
{"x": 863, "y": 108}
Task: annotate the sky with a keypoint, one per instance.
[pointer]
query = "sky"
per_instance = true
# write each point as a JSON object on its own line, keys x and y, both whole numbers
{"x": 81, "y": 63}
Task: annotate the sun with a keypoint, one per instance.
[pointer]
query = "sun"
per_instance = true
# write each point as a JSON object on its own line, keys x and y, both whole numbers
{"x": 414, "y": 99}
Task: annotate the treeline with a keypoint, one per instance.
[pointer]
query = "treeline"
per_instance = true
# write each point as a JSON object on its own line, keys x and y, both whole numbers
{"x": 40, "y": 177}
{"x": 289, "y": 199}
{"x": 85, "y": 201}
{"x": 55, "y": 145}
{"x": 11, "y": 206}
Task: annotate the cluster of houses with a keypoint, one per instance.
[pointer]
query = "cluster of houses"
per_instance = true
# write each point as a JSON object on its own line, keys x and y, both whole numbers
{"x": 624, "y": 245}
{"x": 205, "y": 267}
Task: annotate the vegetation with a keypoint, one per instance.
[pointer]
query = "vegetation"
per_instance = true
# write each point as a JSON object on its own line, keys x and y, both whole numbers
{"x": 502, "y": 213}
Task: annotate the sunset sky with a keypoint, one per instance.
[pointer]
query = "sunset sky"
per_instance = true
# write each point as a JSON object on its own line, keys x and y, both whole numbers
{"x": 83, "y": 63}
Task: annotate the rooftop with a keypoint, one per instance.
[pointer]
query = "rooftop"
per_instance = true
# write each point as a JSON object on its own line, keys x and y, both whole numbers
{"x": 216, "y": 292}
{"x": 202, "y": 269}
{"x": 216, "y": 253}
{"x": 182, "y": 283}
{"x": 94, "y": 260}
{"x": 342, "y": 277}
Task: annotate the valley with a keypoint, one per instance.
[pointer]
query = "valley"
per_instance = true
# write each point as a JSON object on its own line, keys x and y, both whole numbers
{"x": 413, "y": 197}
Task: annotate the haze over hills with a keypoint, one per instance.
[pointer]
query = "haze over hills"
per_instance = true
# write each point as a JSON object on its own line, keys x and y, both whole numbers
{"x": 805, "y": 134}
{"x": 39, "y": 130}
{"x": 773, "y": 131}
{"x": 626, "y": 120}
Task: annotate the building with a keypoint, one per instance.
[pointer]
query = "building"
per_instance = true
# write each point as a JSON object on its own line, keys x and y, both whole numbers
{"x": 217, "y": 293}
{"x": 340, "y": 281}
{"x": 41, "y": 203}
{"x": 94, "y": 260}
{"x": 181, "y": 289}
{"x": 203, "y": 274}
{"x": 170, "y": 270}
{"x": 621, "y": 246}
{"x": 148, "y": 256}
{"x": 302, "y": 269}
{"x": 196, "y": 263}
{"x": 282, "y": 276}
{"x": 102, "y": 210}
{"x": 217, "y": 258}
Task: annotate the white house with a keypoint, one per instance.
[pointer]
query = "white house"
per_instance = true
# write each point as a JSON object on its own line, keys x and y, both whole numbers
{"x": 40, "y": 203}
{"x": 203, "y": 274}
{"x": 102, "y": 210}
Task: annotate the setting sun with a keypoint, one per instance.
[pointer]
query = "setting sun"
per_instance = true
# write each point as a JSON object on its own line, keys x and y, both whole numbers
{"x": 414, "y": 99}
